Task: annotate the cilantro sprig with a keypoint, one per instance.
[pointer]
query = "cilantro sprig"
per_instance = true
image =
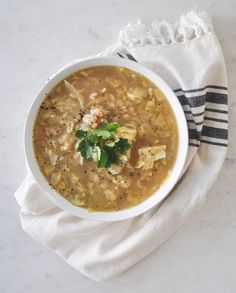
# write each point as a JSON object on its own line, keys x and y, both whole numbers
{"x": 101, "y": 146}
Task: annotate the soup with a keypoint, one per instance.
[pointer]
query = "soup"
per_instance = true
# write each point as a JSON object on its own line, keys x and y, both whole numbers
{"x": 105, "y": 138}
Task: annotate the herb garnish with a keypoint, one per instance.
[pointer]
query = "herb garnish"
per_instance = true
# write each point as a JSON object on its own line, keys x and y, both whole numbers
{"x": 101, "y": 146}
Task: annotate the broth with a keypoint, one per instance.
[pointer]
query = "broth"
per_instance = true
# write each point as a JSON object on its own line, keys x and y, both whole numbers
{"x": 86, "y": 100}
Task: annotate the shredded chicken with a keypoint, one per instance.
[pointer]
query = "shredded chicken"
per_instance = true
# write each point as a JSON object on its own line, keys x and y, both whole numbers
{"x": 55, "y": 178}
{"x": 127, "y": 132}
{"x": 137, "y": 94}
{"x": 52, "y": 156}
{"x": 110, "y": 195}
{"x": 148, "y": 155}
{"x": 67, "y": 142}
{"x": 121, "y": 181}
{"x": 115, "y": 169}
{"x": 74, "y": 93}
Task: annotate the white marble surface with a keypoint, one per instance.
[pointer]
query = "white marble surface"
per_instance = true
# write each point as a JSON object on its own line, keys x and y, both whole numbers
{"x": 36, "y": 39}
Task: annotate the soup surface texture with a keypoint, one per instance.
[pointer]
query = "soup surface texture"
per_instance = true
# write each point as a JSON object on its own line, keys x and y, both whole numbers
{"x": 105, "y": 138}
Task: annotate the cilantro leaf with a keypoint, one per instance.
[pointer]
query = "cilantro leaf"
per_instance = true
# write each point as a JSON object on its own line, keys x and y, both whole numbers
{"x": 112, "y": 154}
{"x": 104, "y": 161}
{"x": 105, "y": 131}
{"x": 102, "y": 133}
{"x": 111, "y": 127}
{"x": 96, "y": 154}
{"x": 86, "y": 149}
{"x": 80, "y": 133}
{"x": 92, "y": 137}
{"x": 122, "y": 145}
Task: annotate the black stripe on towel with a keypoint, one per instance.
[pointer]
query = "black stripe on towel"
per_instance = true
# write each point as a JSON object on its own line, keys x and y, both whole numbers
{"x": 216, "y": 119}
{"x": 214, "y": 143}
{"x": 196, "y": 123}
{"x": 130, "y": 57}
{"x": 120, "y": 55}
{"x": 194, "y": 114}
{"x": 214, "y": 132}
{"x": 211, "y": 132}
{"x": 194, "y": 144}
{"x": 216, "y": 111}
{"x": 193, "y": 102}
{"x": 199, "y": 101}
{"x": 216, "y": 98}
{"x": 194, "y": 134}
{"x": 197, "y": 114}
{"x": 209, "y": 110}
{"x": 126, "y": 55}
{"x": 207, "y": 142}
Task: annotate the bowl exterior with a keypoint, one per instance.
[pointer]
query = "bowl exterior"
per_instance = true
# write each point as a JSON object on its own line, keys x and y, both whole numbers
{"x": 165, "y": 188}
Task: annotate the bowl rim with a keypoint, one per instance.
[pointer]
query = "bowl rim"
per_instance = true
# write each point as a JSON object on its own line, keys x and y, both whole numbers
{"x": 165, "y": 187}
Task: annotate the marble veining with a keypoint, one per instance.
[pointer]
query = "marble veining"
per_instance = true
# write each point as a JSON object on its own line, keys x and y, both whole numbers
{"x": 36, "y": 39}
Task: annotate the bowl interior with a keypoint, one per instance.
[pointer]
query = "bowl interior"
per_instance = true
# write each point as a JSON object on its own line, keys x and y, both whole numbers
{"x": 167, "y": 185}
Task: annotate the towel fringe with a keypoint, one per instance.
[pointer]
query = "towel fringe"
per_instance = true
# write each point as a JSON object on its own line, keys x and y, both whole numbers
{"x": 190, "y": 26}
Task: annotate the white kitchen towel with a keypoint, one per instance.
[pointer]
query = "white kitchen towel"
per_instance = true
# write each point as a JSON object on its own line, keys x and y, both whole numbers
{"x": 189, "y": 57}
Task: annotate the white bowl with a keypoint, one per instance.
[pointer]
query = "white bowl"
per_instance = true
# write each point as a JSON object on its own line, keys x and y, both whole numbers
{"x": 167, "y": 185}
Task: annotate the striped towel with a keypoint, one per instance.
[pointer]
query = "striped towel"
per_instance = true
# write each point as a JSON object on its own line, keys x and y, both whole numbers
{"x": 189, "y": 58}
{"x": 205, "y": 108}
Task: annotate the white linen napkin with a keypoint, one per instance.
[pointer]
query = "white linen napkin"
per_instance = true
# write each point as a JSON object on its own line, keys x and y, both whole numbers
{"x": 189, "y": 57}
